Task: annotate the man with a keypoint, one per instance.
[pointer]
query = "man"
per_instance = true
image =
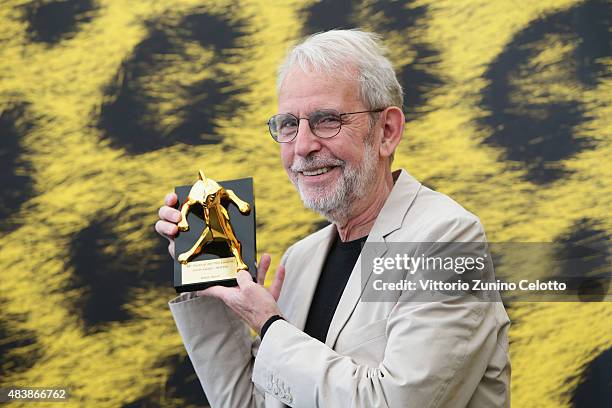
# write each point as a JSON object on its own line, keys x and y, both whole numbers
{"x": 338, "y": 125}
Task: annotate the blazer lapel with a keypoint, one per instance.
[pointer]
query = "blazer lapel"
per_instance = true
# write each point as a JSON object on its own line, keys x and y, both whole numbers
{"x": 390, "y": 219}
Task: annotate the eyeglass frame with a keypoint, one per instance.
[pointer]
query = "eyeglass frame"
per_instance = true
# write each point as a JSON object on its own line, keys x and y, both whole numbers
{"x": 299, "y": 119}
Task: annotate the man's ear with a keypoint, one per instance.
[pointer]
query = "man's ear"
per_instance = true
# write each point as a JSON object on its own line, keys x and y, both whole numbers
{"x": 392, "y": 121}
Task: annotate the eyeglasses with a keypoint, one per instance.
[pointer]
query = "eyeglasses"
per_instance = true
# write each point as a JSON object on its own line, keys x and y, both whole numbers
{"x": 323, "y": 123}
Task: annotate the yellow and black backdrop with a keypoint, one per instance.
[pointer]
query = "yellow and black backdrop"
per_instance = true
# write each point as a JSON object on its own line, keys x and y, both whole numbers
{"x": 105, "y": 105}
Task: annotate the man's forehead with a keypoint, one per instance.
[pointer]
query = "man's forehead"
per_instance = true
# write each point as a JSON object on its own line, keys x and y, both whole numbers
{"x": 315, "y": 90}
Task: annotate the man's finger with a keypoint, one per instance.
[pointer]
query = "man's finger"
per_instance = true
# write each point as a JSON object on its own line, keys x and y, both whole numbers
{"x": 171, "y": 248}
{"x": 244, "y": 278}
{"x": 170, "y": 199}
{"x": 169, "y": 214}
{"x": 262, "y": 268}
{"x": 220, "y": 292}
{"x": 277, "y": 284}
{"x": 166, "y": 229}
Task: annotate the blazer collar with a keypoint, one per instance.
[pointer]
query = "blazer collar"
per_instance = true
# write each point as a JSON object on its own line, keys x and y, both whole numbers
{"x": 392, "y": 215}
{"x": 390, "y": 219}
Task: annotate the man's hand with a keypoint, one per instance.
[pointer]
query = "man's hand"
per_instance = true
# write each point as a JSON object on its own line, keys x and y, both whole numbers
{"x": 249, "y": 300}
{"x": 169, "y": 217}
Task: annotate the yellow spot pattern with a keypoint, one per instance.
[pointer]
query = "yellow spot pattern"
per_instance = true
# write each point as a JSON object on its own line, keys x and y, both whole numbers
{"x": 79, "y": 176}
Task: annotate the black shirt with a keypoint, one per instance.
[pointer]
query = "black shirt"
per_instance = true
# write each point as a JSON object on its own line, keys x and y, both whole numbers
{"x": 334, "y": 276}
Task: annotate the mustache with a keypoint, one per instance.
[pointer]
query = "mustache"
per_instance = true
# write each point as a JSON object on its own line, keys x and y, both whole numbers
{"x": 310, "y": 163}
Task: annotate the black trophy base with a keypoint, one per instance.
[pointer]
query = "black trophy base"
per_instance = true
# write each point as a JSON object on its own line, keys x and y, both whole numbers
{"x": 205, "y": 285}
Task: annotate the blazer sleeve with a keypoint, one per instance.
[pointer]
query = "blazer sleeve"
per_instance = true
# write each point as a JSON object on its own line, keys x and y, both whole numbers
{"x": 436, "y": 354}
{"x": 221, "y": 349}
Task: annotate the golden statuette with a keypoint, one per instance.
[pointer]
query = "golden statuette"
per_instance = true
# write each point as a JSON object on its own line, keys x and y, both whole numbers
{"x": 211, "y": 196}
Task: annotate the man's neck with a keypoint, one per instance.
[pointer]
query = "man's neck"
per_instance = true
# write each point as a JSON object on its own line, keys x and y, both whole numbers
{"x": 366, "y": 210}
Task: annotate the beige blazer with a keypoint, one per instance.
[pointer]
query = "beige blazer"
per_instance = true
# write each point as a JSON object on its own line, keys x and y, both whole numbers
{"x": 376, "y": 354}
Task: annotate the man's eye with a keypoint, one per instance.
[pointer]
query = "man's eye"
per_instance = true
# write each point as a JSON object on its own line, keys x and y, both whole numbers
{"x": 328, "y": 121}
{"x": 288, "y": 123}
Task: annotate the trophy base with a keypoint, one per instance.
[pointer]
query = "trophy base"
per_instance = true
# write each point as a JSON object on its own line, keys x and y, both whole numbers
{"x": 204, "y": 285}
{"x": 200, "y": 275}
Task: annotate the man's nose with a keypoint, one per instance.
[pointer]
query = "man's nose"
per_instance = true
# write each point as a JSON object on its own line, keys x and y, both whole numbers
{"x": 305, "y": 141}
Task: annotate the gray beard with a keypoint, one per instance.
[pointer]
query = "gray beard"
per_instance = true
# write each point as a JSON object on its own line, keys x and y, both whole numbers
{"x": 335, "y": 204}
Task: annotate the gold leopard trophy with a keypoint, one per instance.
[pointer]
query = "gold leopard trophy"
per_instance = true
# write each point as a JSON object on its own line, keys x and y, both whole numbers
{"x": 210, "y": 195}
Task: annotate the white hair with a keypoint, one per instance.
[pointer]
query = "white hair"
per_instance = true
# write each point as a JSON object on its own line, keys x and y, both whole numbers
{"x": 340, "y": 52}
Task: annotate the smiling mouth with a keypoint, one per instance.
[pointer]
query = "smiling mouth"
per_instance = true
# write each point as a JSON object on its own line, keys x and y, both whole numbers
{"x": 316, "y": 172}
